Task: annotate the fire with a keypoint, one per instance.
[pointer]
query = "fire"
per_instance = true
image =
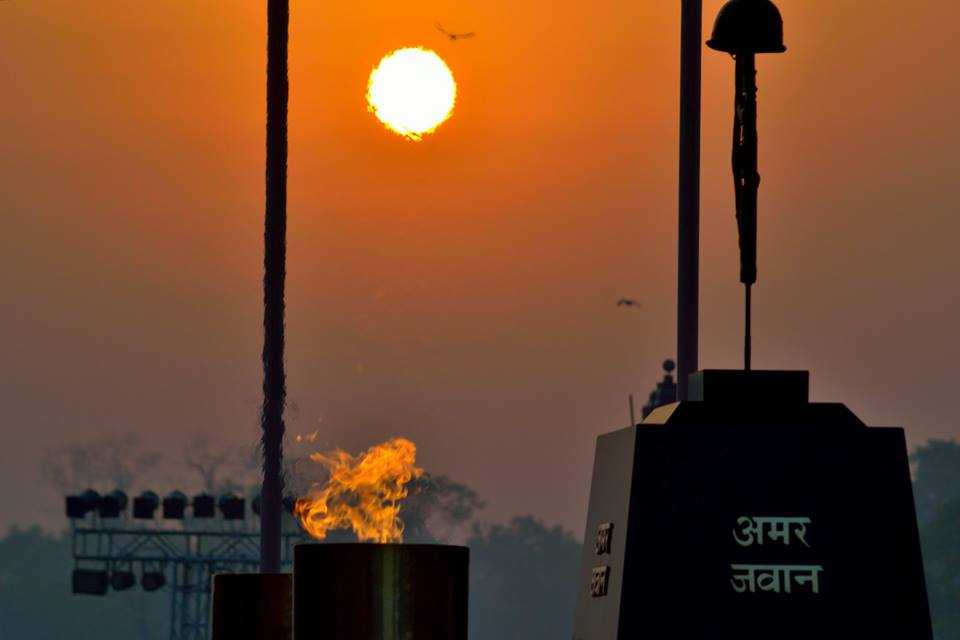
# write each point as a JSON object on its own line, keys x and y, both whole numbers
{"x": 363, "y": 492}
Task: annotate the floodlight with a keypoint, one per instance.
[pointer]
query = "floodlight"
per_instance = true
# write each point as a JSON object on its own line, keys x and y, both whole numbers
{"x": 174, "y": 505}
{"x": 112, "y": 504}
{"x": 204, "y": 506}
{"x": 90, "y": 582}
{"x": 81, "y": 505}
{"x": 232, "y": 506}
{"x": 75, "y": 508}
{"x": 152, "y": 580}
{"x": 90, "y": 499}
{"x": 122, "y": 580}
{"x": 145, "y": 505}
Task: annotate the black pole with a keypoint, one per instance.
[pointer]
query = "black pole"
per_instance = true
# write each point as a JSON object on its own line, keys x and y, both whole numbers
{"x": 746, "y": 179}
{"x": 688, "y": 249}
{"x": 747, "y": 339}
{"x": 274, "y": 263}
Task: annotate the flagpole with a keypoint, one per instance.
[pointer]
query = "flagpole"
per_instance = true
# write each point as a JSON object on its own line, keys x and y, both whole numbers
{"x": 274, "y": 276}
{"x": 688, "y": 247}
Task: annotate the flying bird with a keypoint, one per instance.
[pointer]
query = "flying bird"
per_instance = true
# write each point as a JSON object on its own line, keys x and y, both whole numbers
{"x": 627, "y": 302}
{"x": 454, "y": 36}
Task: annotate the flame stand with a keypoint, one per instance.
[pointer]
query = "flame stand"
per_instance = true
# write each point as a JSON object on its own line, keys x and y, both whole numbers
{"x": 364, "y": 591}
{"x": 252, "y": 605}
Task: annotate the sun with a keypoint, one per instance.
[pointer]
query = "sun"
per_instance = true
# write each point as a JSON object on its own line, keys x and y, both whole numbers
{"x": 412, "y": 92}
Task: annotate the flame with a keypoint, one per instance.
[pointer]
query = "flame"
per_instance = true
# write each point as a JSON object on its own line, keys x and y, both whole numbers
{"x": 362, "y": 493}
{"x": 310, "y": 437}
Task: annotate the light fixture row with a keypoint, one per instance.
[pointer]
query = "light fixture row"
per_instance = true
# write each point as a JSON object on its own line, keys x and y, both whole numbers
{"x": 96, "y": 582}
{"x": 172, "y": 507}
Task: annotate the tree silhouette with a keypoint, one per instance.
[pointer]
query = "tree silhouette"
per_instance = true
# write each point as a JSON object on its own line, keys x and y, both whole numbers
{"x": 438, "y": 509}
{"x": 936, "y": 484}
{"x": 936, "y": 477}
{"x": 113, "y": 460}
{"x": 220, "y": 467}
{"x": 523, "y": 580}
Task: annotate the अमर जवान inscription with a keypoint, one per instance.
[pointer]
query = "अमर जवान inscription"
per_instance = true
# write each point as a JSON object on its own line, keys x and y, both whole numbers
{"x": 773, "y": 578}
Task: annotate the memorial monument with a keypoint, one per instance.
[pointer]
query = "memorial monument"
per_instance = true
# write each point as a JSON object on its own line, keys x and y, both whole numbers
{"x": 747, "y": 511}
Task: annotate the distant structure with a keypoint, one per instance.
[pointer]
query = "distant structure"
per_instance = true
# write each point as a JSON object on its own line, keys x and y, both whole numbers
{"x": 176, "y": 552}
{"x": 665, "y": 392}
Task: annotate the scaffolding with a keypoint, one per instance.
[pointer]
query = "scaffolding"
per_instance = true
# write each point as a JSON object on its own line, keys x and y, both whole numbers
{"x": 186, "y": 558}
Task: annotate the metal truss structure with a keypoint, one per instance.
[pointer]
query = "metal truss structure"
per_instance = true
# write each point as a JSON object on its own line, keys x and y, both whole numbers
{"x": 186, "y": 558}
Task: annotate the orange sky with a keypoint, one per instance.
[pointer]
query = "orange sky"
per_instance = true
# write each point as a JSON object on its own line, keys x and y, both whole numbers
{"x": 459, "y": 291}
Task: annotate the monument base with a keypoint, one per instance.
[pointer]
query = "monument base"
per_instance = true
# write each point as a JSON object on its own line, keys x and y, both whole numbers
{"x": 750, "y": 513}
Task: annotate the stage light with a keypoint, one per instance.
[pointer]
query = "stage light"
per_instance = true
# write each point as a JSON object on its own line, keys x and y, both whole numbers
{"x": 112, "y": 504}
{"x": 152, "y": 580}
{"x": 122, "y": 580}
{"x": 204, "y": 506}
{"x": 75, "y": 509}
{"x": 90, "y": 499}
{"x": 90, "y": 582}
{"x": 174, "y": 505}
{"x": 145, "y": 505}
{"x": 81, "y": 505}
{"x": 232, "y": 506}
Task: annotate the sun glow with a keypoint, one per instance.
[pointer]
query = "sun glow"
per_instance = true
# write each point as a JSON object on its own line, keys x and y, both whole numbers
{"x": 412, "y": 92}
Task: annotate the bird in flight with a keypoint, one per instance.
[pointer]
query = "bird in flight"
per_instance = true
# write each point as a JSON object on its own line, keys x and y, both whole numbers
{"x": 454, "y": 36}
{"x": 627, "y": 302}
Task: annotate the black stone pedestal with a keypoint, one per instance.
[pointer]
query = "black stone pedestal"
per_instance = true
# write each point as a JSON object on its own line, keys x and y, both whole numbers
{"x": 750, "y": 513}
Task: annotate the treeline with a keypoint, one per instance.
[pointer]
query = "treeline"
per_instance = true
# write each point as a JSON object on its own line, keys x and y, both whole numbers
{"x": 523, "y": 573}
{"x": 523, "y": 581}
{"x": 936, "y": 486}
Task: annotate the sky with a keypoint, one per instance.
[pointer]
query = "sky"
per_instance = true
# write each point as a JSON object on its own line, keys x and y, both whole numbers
{"x": 459, "y": 291}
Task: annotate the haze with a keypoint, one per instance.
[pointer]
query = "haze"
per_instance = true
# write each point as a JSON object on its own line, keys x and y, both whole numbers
{"x": 459, "y": 292}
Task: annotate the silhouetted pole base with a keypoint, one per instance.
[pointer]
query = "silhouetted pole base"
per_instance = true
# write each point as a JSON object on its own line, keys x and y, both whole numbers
{"x": 252, "y": 606}
{"x": 747, "y": 330}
